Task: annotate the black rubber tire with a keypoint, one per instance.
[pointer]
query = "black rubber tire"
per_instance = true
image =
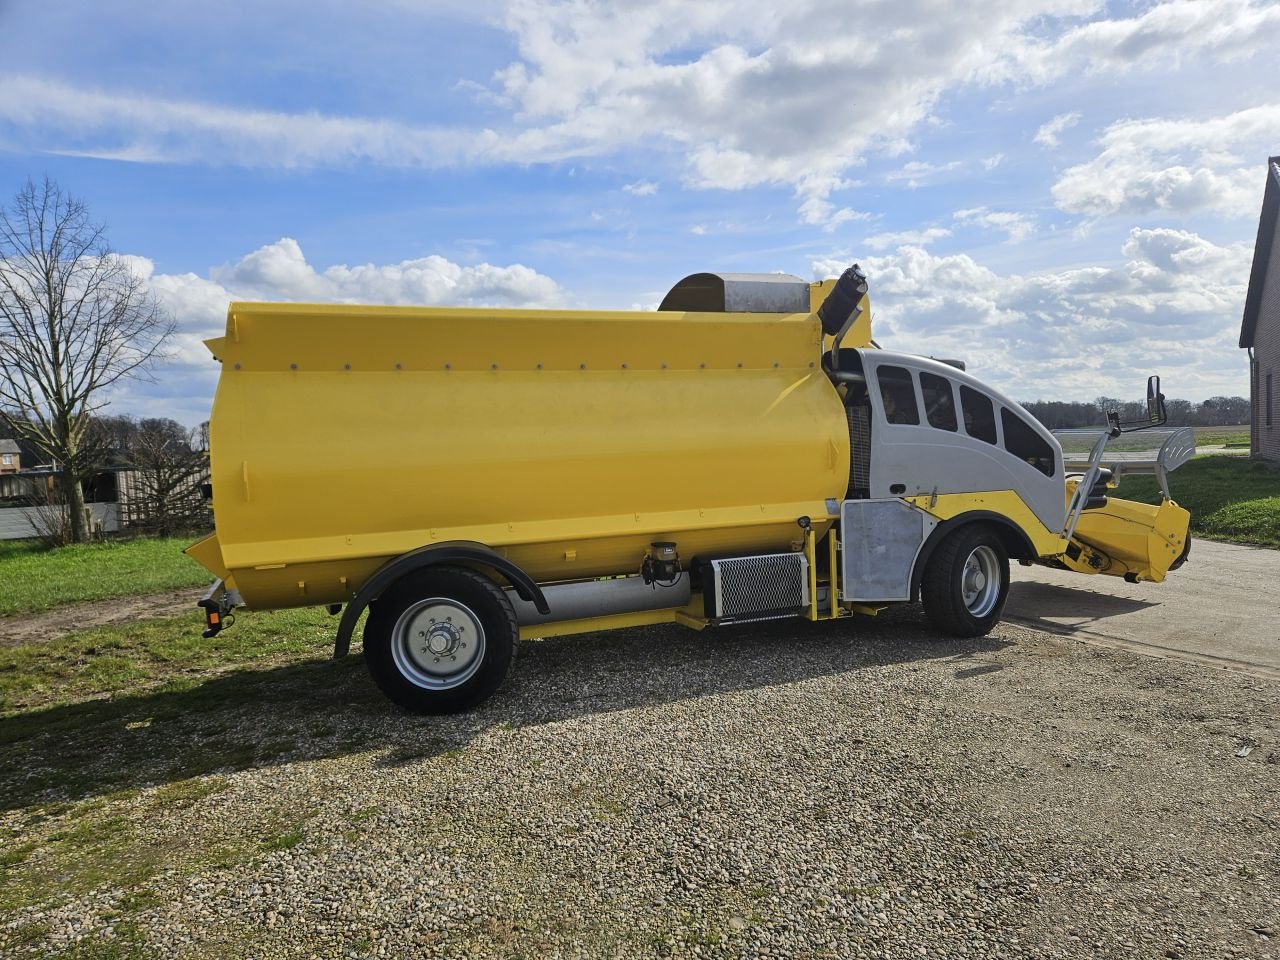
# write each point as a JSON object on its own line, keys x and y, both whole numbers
{"x": 486, "y": 600}
{"x": 942, "y": 588}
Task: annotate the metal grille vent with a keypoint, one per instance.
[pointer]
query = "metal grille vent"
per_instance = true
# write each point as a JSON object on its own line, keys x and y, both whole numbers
{"x": 755, "y": 587}
{"x": 859, "y": 417}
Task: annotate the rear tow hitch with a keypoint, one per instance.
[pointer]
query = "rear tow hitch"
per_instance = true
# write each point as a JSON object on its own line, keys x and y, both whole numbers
{"x": 217, "y": 605}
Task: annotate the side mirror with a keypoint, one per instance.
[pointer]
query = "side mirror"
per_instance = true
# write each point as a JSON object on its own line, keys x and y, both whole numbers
{"x": 1155, "y": 401}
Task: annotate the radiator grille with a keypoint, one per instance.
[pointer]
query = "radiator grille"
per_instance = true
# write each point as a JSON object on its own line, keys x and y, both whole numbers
{"x": 754, "y": 587}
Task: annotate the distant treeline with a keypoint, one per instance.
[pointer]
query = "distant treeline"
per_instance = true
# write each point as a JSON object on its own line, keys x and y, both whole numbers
{"x": 1214, "y": 412}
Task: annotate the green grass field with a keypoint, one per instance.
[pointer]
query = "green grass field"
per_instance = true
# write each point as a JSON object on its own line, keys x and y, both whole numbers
{"x": 1230, "y": 498}
{"x": 34, "y": 578}
{"x": 1232, "y": 438}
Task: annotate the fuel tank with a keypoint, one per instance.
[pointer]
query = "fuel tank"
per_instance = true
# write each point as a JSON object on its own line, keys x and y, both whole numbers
{"x": 342, "y": 436}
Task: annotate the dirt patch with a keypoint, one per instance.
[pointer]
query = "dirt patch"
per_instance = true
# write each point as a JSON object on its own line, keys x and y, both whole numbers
{"x": 52, "y": 624}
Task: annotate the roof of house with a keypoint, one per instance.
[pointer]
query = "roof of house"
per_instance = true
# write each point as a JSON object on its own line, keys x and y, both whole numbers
{"x": 9, "y": 446}
{"x": 1267, "y": 225}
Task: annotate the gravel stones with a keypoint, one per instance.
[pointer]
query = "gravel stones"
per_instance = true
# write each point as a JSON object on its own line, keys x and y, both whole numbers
{"x": 781, "y": 790}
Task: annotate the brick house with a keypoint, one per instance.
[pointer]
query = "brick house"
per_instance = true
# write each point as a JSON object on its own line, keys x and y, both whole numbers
{"x": 10, "y": 457}
{"x": 1260, "y": 329}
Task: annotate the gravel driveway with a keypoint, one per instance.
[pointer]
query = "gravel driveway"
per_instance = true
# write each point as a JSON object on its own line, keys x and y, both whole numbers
{"x": 784, "y": 790}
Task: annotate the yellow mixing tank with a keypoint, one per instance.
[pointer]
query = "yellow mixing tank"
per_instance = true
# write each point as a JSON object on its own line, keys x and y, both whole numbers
{"x": 343, "y": 436}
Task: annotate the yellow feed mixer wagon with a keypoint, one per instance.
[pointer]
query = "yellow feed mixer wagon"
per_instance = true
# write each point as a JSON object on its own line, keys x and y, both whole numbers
{"x": 470, "y": 477}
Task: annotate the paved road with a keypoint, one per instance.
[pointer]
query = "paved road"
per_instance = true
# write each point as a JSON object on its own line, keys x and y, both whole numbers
{"x": 1222, "y": 608}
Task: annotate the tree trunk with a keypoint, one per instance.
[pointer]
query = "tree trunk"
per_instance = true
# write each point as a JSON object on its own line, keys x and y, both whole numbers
{"x": 73, "y": 494}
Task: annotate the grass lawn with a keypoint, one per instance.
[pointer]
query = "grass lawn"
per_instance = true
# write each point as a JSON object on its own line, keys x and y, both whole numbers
{"x": 33, "y": 578}
{"x": 1230, "y": 498}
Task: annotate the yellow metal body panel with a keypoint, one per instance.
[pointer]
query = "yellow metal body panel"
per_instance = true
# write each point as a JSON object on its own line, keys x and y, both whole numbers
{"x": 343, "y": 436}
{"x": 1006, "y": 503}
{"x": 859, "y": 334}
{"x": 1132, "y": 538}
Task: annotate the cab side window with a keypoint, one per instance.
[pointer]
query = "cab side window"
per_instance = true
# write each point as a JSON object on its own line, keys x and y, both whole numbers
{"x": 1025, "y": 444}
{"x": 979, "y": 414}
{"x": 939, "y": 401}
{"x": 898, "y": 394}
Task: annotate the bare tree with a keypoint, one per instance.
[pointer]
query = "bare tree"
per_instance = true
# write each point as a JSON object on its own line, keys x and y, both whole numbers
{"x": 162, "y": 492}
{"x": 74, "y": 320}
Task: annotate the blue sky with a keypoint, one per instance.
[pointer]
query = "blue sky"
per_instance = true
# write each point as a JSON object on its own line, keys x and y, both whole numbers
{"x": 1063, "y": 192}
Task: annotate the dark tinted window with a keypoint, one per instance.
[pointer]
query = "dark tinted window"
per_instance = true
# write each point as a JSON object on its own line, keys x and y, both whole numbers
{"x": 899, "y": 395}
{"x": 1025, "y": 444}
{"x": 939, "y": 402}
{"x": 979, "y": 414}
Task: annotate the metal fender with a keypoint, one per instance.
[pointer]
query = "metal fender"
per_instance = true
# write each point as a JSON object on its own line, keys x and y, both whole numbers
{"x": 1016, "y": 541}
{"x": 437, "y": 554}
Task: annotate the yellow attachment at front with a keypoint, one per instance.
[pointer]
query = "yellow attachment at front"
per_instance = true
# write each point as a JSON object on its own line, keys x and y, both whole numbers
{"x": 343, "y": 436}
{"x": 1124, "y": 538}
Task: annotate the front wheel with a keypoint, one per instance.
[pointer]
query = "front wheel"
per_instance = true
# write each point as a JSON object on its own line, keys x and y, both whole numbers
{"x": 966, "y": 582}
{"x": 441, "y": 641}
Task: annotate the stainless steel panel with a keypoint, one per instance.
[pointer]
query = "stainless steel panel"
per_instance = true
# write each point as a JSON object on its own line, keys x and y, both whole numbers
{"x": 879, "y": 543}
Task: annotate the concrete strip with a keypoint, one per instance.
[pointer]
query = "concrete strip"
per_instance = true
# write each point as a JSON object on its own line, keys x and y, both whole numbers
{"x": 1222, "y": 608}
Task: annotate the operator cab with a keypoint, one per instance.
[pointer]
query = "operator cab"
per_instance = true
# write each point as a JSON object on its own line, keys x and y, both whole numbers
{"x": 921, "y": 427}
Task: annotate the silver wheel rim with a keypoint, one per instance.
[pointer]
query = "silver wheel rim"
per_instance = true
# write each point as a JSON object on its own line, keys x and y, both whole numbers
{"x": 438, "y": 644}
{"x": 980, "y": 581}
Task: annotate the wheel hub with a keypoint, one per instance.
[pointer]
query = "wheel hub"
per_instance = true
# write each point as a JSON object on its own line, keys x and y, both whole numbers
{"x": 438, "y": 643}
{"x": 980, "y": 581}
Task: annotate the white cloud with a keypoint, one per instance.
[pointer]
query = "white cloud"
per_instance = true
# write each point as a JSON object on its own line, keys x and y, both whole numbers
{"x": 916, "y": 238}
{"x": 641, "y": 188}
{"x": 1173, "y": 306}
{"x": 280, "y": 271}
{"x": 918, "y": 172}
{"x": 1018, "y": 226}
{"x": 183, "y": 387}
{"x": 1048, "y": 134}
{"x": 1163, "y": 35}
{"x": 743, "y": 93}
{"x": 1175, "y": 166}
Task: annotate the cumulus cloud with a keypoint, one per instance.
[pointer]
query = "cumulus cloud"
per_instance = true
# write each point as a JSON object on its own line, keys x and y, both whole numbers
{"x": 1173, "y": 307}
{"x": 280, "y": 271}
{"x": 744, "y": 93}
{"x": 1017, "y": 226}
{"x": 916, "y": 238}
{"x": 1049, "y": 133}
{"x": 183, "y": 387}
{"x": 641, "y": 188}
{"x": 1174, "y": 166}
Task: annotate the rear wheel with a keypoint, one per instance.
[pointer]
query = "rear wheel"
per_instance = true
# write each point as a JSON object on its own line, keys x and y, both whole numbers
{"x": 441, "y": 641}
{"x": 966, "y": 582}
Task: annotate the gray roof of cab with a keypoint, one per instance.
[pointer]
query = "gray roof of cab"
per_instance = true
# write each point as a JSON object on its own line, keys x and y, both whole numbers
{"x": 9, "y": 446}
{"x": 1268, "y": 225}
